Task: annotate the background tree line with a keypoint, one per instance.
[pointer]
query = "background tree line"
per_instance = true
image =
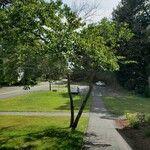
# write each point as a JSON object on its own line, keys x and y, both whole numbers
{"x": 136, "y": 13}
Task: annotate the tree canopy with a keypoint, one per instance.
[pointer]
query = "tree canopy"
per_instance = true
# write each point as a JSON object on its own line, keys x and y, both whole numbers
{"x": 32, "y": 30}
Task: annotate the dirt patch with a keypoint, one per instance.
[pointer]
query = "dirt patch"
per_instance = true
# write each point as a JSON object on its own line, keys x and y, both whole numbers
{"x": 121, "y": 123}
{"x": 136, "y": 138}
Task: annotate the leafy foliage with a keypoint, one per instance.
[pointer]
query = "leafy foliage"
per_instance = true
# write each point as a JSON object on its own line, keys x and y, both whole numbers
{"x": 136, "y": 13}
{"x": 33, "y": 32}
{"x": 97, "y": 44}
{"x": 133, "y": 120}
{"x": 136, "y": 119}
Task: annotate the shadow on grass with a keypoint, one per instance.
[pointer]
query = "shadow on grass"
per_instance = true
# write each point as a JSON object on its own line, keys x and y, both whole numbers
{"x": 65, "y": 95}
{"x": 52, "y": 138}
{"x": 6, "y": 128}
{"x": 66, "y": 106}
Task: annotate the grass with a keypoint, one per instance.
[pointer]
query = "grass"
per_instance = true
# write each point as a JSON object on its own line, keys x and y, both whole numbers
{"x": 120, "y": 105}
{"x": 42, "y": 102}
{"x": 40, "y": 133}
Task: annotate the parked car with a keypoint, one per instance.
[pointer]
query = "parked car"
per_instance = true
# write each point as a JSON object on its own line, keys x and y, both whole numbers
{"x": 100, "y": 83}
{"x": 75, "y": 90}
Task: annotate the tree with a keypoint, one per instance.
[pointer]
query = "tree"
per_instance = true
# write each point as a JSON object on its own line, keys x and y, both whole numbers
{"x": 1, "y": 73}
{"x": 31, "y": 39}
{"x": 136, "y": 13}
{"x": 95, "y": 51}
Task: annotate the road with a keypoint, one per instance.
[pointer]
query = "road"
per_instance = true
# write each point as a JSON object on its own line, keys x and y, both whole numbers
{"x": 11, "y": 91}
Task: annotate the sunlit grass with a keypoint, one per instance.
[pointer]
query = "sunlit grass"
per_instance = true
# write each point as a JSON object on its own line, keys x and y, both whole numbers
{"x": 20, "y": 132}
{"x": 42, "y": 102}
{"x": 123, "y": 104}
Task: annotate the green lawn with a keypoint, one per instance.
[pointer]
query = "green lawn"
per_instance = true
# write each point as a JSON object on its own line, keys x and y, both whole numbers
{"x": 41, "y": 101}
{"x": 122, "y": 104}
{"x": 40, "y": 133}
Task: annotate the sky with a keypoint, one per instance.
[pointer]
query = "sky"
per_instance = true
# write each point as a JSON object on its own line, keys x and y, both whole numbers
{"x": 104, "y": 10}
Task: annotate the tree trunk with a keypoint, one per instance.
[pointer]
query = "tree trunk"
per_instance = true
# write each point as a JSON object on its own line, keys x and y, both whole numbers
{"x": 71, "y": 101}
{"x": 149, "y": 81}
{"x": 83, "y": 103}
{"x": 50, "y": 85}
{"x": 1, "y": 72}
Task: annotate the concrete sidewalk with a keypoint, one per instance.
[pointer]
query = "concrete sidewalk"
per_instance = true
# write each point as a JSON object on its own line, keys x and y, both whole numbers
{"x": 101, "y": 133}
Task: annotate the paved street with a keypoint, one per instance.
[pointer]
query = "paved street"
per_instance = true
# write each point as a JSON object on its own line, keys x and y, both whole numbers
{"x": 11, "y": 91}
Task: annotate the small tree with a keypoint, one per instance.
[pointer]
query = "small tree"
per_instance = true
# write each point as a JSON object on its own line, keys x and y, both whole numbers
{"x": 95, "y": 51}
{"x": 29, "y": 38}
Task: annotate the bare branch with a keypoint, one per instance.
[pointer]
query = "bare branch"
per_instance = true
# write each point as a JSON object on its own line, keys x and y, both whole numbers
{"x": 4, "y": 3}
{"x": 85, "y": 9}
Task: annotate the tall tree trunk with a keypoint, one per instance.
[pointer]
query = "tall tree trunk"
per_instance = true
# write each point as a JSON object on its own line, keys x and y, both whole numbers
{"x": 71, "y": 101}
{"x": 83, "y": 103}
{"x": 149, "y": 81}
{"x": 1, "y": 72}
{"x": 50, "y": 85}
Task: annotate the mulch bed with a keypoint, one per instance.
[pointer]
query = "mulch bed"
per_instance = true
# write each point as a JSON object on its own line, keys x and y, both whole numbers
{"x": 136, "y": 138}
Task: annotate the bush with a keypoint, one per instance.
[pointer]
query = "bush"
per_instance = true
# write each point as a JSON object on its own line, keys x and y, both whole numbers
{"x": 135, "y": 119}
{"x": 141, "y": 117}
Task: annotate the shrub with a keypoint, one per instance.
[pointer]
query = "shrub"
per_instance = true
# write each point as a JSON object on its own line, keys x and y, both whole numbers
{"x": 141, "y": 117}
{"x": 135, "y": 119}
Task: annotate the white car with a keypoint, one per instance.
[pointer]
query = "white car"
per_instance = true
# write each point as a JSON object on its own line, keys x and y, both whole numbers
{"x": 100, "y": 83}
{"x": 75, "y": 90}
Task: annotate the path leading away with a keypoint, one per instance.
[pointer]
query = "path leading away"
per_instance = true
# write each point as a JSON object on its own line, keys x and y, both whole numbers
{"x": 101, "y": 133}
